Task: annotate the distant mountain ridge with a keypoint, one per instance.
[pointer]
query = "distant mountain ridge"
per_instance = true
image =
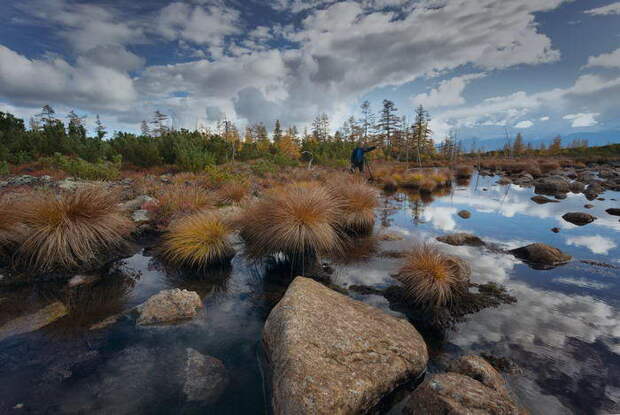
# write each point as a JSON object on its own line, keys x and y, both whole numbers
{"x": 599, "y": 138}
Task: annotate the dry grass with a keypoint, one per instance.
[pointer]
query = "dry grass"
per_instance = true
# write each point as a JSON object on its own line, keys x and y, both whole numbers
{"x": 297, "y": 219}
{"x": 71, "y": 230}
{"x": 232, "y": 192}
{"x": 179, "y": 200}
{"x": 390, "y": 184}
{"x": 464, "y": 172}
{"x": 547, "y": 166}
{"x": 358, "y": 201}
{"x": 432, "y": 278}
{"x": 198, "y": 241}
{"x": 11, "y": 231}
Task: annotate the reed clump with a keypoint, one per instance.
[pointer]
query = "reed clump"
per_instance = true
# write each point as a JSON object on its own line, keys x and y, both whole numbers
{"x": 198, "y": 241}
{"x": 300, "y": 219}
{"x": 358, "y": 202}
{"x": 71, "y": 230}
{"x": 432, "y": 278}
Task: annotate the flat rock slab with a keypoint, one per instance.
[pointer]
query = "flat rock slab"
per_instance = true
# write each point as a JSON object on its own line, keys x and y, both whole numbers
{"x": 169, "y": 306}
{"x": 330, "y": 354}
{"x": 541, "y": 254}
{"x": 542, "y": 200}
{"x": 34, "y": 321}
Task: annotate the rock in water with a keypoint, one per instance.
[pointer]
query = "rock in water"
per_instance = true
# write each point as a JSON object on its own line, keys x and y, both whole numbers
{"x": 552, "y": 185}
{"x": 34, "y": 321}
{"x": 169, "y": 306}
{"x": 541, "y": 254}
{"x": 477, "y": 368}
{"x": 613, "y": 211}
{"x": 456, "y": 394}
{"x": 465, "y": 214}
{"x": 206, "y": 377}
{"x": 542, "y": 200}
{"x": 578, "y": 218}
{"x": 330, "y": 354}
{"x": 459, "y": 239}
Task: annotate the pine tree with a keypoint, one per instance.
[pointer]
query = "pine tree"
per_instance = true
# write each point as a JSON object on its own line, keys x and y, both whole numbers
{"x": 277, "y": 132}
{"x": 144, "y": 128}
{"x": 518, "y": 147}
{"x": 47, "y": 115}
{"x": 100, "y": 128}
{"x": 368, "y": 119}
{"x": 76, "y": 125}
{"x": 388, "y": 123}
{"x": 159, "y": 121}
{"x": 320, "y": 127}
{"x": 422, "y": 133}
{"x": 556, "y": 145}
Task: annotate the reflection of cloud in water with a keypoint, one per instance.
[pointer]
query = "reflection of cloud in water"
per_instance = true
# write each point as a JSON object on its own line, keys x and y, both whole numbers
{"x": 441, "y": 217}
{"x": 582, "y": 283}
{"x": 596, "y": 243}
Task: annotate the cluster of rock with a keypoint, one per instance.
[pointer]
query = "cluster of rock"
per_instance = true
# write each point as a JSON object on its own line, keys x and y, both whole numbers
{"x": 330, "y": 354}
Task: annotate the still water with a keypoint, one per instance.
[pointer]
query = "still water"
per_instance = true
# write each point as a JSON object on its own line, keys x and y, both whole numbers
{"x": 563, "y": 333}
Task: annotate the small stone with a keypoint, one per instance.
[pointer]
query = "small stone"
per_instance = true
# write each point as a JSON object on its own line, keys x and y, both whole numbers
{"x": 206, "y": 377}
{"x": 613, "y": 211}
{"x": 460, "y": 239}
{"x": 80, "y": 279}
{"x": 578, "y": 218}
{"x": 588, "y": 206}
{"x": 542, "y": 199}
{"x": 391, "y": 237}
{"x": 169, "y": 306}
{"x": 504, "y": 181}
{"x": 140, "y": 216}
{"x": 555, "y": 230}
{"x": 541, "y": 254}
{"x": 465, "y": 214}
{"x": 105, "y": 322}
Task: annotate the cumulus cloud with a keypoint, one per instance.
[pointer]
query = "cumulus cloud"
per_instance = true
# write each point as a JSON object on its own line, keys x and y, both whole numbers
{"x": 524, "y": 124}
{"x": 545, "y": 118}
{"x": 613, "y": 8}
{"x": 448, "y": 93}
{"x": 596, "y": 243}
{"x": 582, "y": 119}
{"x": 606, "y": 60}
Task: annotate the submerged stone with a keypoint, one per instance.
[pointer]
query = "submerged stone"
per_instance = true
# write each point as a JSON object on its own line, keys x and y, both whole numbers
{"x": 460, "y": 239}
{"x": 34, "y": 321}
{"x": 205, "y": 377}
{"x": 541, "y": 254}
{"x": 578, "y": 218}
{"x": 478, "y": 368}
{"x": 465, "y": 214}
{"x": 169, "y": 306}
{"x": 330, "y": 354}
{"x": 542, "y": 200}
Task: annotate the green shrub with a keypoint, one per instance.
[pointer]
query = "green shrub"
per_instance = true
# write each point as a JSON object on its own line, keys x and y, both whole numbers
{"x": 100, "y": 170}
{"x": 4, "y": 168}
{"x": 192, "y": 157}
{"x": 263, "y": 167}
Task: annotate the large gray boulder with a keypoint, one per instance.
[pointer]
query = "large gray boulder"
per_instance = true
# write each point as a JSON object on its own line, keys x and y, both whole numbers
{"x": 552, "y": 185}
{"x": 330, "y": 354}
{"x": 169, "y": 306}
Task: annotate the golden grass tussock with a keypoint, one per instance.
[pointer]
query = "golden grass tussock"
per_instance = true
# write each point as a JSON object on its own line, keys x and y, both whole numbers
{"x": 464, "y": 171}
{"x": 71, "y": 230}
{"x": 358, "y": 201}
{"x": 12, "y": 231}
{"x": 198, "y": 241}
{"x": 297, "y": 219}
{"x": 180, "y": 200}
{"x": 232, "y": 192}
{"x": 432, "y": 278}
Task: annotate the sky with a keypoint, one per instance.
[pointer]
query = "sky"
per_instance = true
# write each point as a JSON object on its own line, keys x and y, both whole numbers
{"x": 480, "y": 67}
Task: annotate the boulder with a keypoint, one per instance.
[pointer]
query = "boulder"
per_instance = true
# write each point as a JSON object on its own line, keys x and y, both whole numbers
{"x": 465, "y": 214}
{"x": 543, "y": 199}
{"x": 479, "y": 369}
{"x": 456, "y": 394}
{"x": 541, "y": 254}
{"x": 205, "y": 378}
{"x": 578, "y": 218}
{"x": 169, "y": 306}
{"x": 34, "y": 321}
{"x": 460, "y": 239}
{"x": 577, "y": 187}
{"x": 593, "y": 190}
{"x": 552, "y": 185}
{"x": 330, "y": 354}
{"x": 140, "y": 216}
{"x": 613, "y": 211}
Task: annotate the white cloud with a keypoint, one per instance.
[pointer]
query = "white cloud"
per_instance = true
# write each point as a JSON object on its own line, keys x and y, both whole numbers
{"x": 613, "y": 8}
{"x": 524, "y": 124}
{"x": 606, "y": 60}
{"x": 448, "y": 93}
{"x": 582, "y": 119}
{"x": 545, "y": 118}
{"x": 597, "y": 244}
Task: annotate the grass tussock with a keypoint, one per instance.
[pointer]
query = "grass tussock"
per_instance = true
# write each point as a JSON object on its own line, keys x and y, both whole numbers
{"x": 296, "y": 220}
{"x": 179, "y": 200}
{"x": 358, "y": 202}
{"x": 71, "y": 230}
{"x": 232, "y": 192}
{"x": 198, "y": 241}
{"x": 12, "y": 232}
{"x": 463, "y": 172}
{"x": 432, "y": 278}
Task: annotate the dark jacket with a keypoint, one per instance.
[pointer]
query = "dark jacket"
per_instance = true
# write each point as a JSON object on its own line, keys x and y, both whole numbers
{"x": 357, "y": 156}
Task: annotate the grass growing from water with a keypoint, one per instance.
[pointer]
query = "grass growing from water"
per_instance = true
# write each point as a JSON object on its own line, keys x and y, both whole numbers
{"x": 296, "y": 220}
{"x": 432, "y": 278}
{"x": 70, "y": 230}
{"x": 179, "y": 200}
{"x": 358, "y": 201}
{"x": 198, "y": 241}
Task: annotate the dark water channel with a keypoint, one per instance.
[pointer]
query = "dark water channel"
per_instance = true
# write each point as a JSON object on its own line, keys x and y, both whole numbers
{"x": 563, "y": 333}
